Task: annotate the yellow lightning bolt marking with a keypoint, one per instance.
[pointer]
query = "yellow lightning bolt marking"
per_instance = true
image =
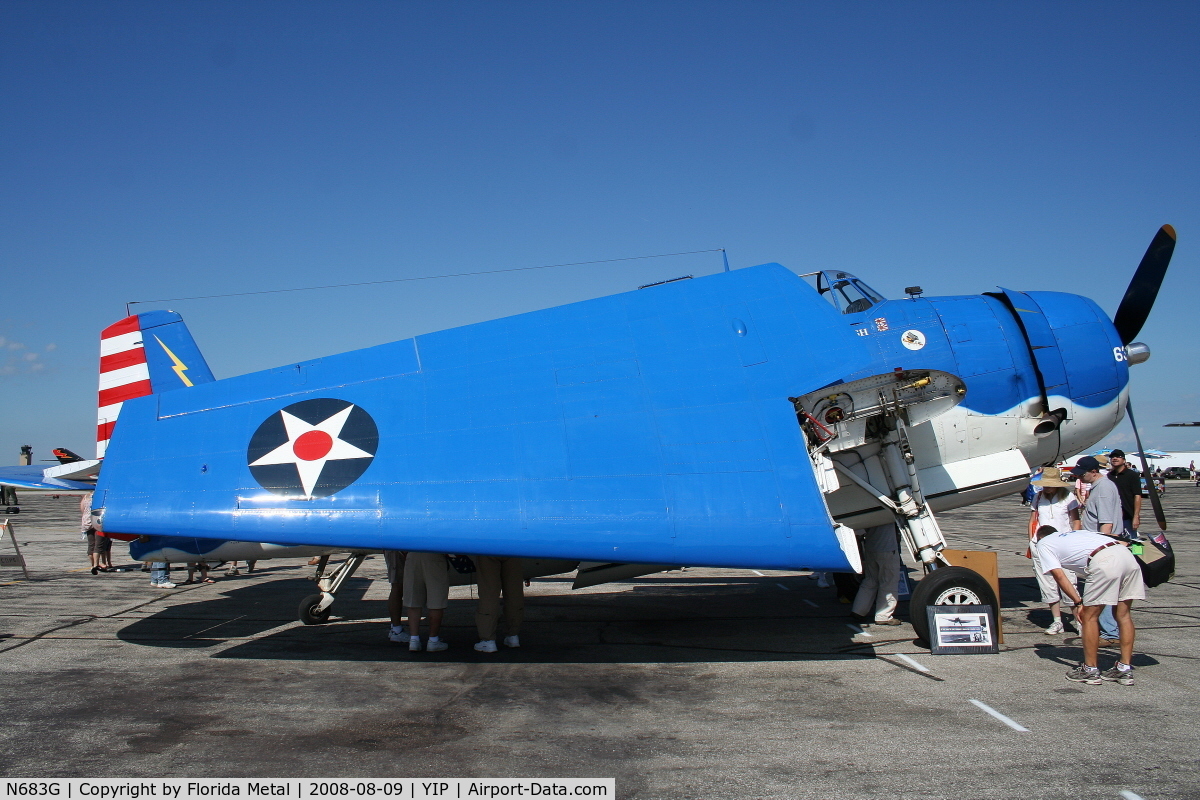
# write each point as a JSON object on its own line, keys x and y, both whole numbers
{"x": 179, "y": 367}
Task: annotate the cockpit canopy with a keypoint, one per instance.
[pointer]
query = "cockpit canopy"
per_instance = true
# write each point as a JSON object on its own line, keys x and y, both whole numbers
{"x": 845, "y": 292}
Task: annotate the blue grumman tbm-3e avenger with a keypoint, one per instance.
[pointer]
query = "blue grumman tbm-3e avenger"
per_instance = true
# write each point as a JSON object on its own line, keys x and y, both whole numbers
{"x": 748, "y": 419}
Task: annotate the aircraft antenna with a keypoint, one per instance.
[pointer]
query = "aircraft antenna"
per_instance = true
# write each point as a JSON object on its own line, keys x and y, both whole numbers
{"x": 426, "y": 277}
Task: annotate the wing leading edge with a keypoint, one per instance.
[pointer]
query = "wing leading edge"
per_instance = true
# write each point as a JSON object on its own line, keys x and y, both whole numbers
{"x": 35, "y": 478}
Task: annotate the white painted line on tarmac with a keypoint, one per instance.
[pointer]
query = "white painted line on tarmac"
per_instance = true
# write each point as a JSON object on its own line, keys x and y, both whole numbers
{"x": 759, "y": 574}
{"x": 911, "y": 662}
{"x": 857, "y": 629}
{"x": 1016, "y": 726}
{"x": 811, "y": 603}
{"x": 1128, "y": 795}
{"x": 781, "y": 586}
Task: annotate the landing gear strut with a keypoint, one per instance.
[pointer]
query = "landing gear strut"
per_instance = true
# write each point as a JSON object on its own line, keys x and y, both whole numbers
{"x": 314, "y": 609}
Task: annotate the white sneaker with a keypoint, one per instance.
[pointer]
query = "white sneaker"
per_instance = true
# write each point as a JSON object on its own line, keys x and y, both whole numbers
{"x": 823, "y": 581}
{"x": 436, "y": 647}
{"x": 486, "y": 646}
{"x": 1055, "y": 628}
{"x": 398, "y": 633}
{"x": 414, "y": 644}
{"x": 512, "y": 641}
{"x": 163, "y": 585}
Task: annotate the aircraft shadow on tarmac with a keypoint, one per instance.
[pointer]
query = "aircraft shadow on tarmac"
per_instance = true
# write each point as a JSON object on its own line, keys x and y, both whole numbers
{"x": 670, "y": 618}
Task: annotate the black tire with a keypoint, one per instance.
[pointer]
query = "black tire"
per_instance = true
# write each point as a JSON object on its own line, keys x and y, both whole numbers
{"x": 948, "y": 586}
{"x": 309, "y": 614}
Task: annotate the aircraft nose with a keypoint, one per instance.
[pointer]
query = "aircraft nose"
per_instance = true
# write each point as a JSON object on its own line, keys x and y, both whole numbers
{"x": 1137, "y": 352}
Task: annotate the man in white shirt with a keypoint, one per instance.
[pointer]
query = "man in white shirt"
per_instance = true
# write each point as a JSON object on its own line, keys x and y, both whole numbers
{"x": 1113, "y": 578}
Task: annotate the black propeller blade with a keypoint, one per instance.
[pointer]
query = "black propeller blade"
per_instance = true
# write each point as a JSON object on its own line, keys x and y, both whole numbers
{"x": 1139, "y": 297}
{"x": 1159, "y": 516}
{"x": 1131, "y": 316}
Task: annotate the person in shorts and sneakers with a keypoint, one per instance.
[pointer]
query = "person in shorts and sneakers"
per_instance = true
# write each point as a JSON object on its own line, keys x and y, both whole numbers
{"x": 1113, "y": 578}
{"x": 1054, "y": 505}
{"x": 426, "y": 584}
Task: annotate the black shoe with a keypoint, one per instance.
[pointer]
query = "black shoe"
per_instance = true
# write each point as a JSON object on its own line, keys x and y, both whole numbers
{"x": 95, "y": 570}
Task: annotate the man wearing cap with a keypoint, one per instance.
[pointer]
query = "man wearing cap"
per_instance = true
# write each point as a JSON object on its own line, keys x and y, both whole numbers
{"x": 1102, "y": 510}
{"x": 1113, "y": 578}
{"x": 1129, "y": 489}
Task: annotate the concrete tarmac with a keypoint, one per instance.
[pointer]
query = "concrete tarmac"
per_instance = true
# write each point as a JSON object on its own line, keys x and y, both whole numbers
{"x": 704, "y": 683}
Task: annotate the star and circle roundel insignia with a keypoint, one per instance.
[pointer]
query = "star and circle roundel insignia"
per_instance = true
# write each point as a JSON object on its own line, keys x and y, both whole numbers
{"x": 313, "y": 448}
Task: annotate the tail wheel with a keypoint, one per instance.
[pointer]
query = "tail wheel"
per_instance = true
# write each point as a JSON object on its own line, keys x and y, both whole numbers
{"x": 311, "y": 612}
{"x": 948, "y": 586}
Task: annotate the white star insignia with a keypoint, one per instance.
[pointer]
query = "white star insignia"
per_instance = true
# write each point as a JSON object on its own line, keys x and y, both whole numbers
{"x": 309, "y": 447}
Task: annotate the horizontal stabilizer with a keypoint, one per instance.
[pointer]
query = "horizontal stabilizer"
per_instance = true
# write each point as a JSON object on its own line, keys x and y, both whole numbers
{"x": 74, "y": 470}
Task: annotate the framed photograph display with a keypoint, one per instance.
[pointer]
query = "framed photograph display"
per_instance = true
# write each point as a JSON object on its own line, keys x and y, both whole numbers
{"x": 962, "y": 629}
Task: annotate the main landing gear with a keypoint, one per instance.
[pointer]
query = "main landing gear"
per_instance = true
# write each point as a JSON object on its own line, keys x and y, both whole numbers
{"x": 314, "y": 609}
{"x": 948, "y": 586}
{"x": 859, "y": 432}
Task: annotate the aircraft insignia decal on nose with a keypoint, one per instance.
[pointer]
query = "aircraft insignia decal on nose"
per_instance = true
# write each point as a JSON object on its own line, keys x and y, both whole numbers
{"x": 913, "y": 340}
{"x": 314, "y": 448}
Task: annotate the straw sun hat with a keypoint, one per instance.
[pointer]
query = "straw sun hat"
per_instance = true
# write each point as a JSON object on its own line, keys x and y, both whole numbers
{"x": 1052, "y": 477}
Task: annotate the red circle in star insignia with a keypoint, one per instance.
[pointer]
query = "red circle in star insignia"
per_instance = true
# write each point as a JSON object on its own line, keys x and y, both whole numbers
{"x": 313, "y": 445}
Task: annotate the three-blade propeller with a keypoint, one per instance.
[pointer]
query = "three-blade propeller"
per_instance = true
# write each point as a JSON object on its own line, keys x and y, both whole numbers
{"x": 1131, "y": 316}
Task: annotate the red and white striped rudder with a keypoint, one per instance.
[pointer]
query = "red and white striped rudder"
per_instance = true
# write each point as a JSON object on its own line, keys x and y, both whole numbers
{"x": 123, "y": 375}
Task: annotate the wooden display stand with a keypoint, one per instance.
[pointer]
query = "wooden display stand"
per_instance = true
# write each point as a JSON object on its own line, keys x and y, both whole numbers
{"x": 15, "y": 560}
{"x": 988, "y": 566}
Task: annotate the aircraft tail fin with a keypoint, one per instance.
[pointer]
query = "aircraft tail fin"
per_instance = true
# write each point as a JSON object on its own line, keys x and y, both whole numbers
{"x": 66, "y": 456}
{"x": 144, "y": 354}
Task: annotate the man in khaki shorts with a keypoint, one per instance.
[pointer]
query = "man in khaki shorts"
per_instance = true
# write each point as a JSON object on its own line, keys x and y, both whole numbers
{"x": 426, "y": 585}
{"x": 1113, "y": 579}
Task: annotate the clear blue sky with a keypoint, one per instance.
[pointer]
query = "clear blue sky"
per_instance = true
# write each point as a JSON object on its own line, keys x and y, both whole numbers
{"x": 158, "y": 150}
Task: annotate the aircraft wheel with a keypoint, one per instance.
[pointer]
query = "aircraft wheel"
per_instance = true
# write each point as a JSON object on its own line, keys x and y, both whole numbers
{"x": 309, "y": 613}
{"x": 948, "y": 586}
